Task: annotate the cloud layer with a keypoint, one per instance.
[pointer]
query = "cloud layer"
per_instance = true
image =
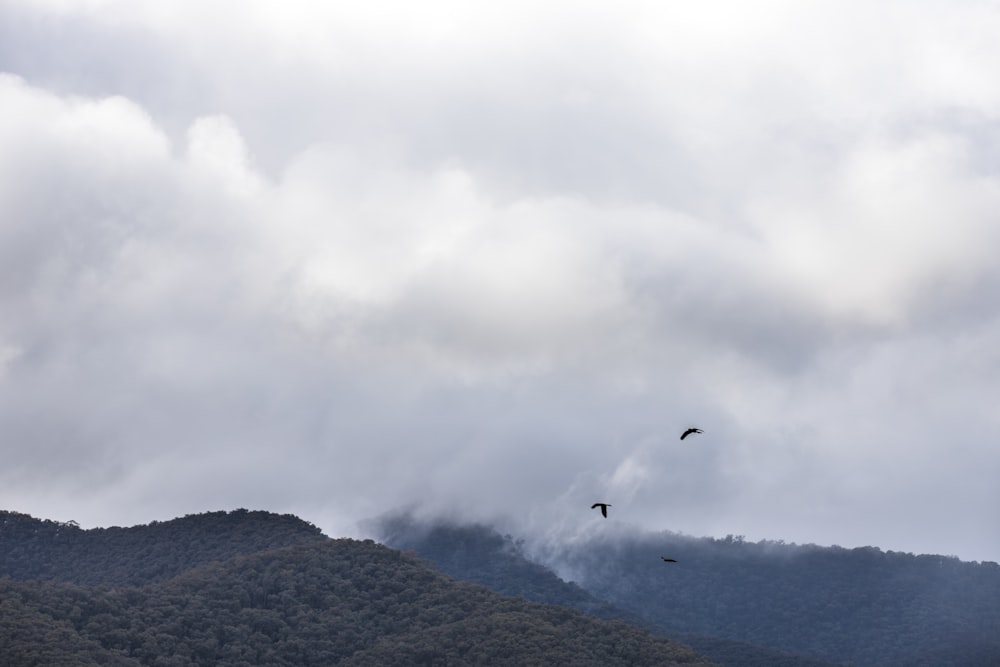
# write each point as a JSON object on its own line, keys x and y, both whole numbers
{"x": 492, "y": 262}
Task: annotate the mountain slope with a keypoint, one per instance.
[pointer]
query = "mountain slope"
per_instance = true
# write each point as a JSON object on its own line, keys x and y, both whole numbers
{"x": 212, "y": 589}
{"x": 479, "y": 554}
{"x": 860, "y": 605}
{"x": 725, "y": 597}
{"x": 325, "y": 602}
{"x": 41, "y": 549}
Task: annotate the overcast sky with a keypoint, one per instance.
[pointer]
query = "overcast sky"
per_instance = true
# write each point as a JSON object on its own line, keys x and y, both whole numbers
{"x": 491, "y": 259}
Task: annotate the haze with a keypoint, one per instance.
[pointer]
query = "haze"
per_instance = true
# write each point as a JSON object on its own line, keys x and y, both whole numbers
{"x": 490, "y": 261}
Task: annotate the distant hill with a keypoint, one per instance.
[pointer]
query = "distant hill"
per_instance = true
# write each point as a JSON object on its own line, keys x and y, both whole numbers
{"x": 42, "y": 549}
{"x": 863, "y": 605}
{"x": 316, "y": 602}
{"x": 481, "y": 555}
{"x": 733, "y": 600}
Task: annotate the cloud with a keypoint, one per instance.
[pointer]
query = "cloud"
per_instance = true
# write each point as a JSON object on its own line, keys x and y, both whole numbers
{"x": 335, "y": 261}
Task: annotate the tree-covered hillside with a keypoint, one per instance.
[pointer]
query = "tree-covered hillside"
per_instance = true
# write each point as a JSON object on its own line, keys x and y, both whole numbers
{"x": 862, "y": 606}
{"x": 481, "y": 555}
{"x": 319, "y": 602}
{"x": 42, "y": 549}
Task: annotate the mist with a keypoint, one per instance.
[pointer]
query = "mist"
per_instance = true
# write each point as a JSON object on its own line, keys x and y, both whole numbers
{"x": 491, "y": 263}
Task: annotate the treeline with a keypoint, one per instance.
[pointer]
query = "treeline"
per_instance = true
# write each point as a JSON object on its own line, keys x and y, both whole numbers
{"x": 862, "y": 606}
{"x": 319, "y": 602}
{"x": 481, "y": 555}
{"x": 42, "y": 549}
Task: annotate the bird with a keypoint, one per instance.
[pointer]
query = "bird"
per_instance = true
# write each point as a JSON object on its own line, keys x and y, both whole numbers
{"x": 667, "y": 560}
{"x": 690, "y": 431}
{"x": 604, "y": 508}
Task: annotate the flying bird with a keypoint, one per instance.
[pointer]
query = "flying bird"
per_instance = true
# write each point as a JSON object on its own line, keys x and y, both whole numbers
{"x": 604, "y": 508}
{"x": 667, "y": 560}
{"x": 690, "y": 431}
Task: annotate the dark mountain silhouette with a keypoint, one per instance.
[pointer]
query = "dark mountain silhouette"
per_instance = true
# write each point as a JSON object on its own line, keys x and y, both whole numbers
{"x": 727, "y": 596}
{"x": 479, "y": 554}
{"x": 315, "y": 602}
{"x": 863, "y": 605}
{"x": 42, "y": 549}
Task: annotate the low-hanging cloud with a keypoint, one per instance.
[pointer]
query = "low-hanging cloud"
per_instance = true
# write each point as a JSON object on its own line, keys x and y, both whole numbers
{"x": 349, "y": 265}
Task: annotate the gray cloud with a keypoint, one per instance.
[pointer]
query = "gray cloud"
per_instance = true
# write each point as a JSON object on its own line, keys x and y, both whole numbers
{"x": 339, "y": 261}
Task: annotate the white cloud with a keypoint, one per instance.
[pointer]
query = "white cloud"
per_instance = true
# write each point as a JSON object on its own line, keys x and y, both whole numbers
{"x": 900, "y": 219}
{"x": 216, "y": 148}
{"x": 335, "y": 260}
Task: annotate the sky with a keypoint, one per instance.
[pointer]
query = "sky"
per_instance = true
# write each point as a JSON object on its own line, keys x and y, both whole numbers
{"x": 489, "y": 260}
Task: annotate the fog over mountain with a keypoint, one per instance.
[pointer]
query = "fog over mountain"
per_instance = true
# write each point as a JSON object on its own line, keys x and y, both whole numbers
{"x": 492, "y": 261}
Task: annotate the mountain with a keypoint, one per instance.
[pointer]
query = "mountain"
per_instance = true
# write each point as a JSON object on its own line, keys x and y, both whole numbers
{"x": 734, "y": 600}
{"x": 479, "y": 554}
{"x": 315, "y": 601}
{"x": 861, "y": 605}
{"x": 43, "y": 549}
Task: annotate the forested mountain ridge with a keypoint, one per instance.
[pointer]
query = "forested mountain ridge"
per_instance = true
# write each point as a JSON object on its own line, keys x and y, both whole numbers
{"x": 33, "y": 548}
{"x": 479, "y": 554}
{"x": 318, "y": 602}
{"x": 862, "y": 606}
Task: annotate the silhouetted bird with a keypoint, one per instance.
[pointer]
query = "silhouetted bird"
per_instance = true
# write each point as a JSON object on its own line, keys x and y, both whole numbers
{"x": 667, "y": 560}
{"x": 689, "y": 432}
{"x": 604, "y": 508}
